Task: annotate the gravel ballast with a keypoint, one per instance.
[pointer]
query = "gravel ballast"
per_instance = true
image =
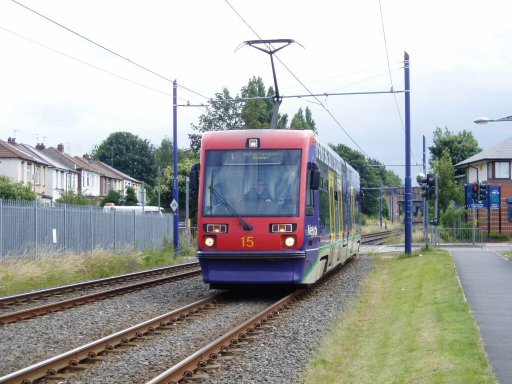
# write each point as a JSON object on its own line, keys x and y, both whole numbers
{"x": 280, "y": 356}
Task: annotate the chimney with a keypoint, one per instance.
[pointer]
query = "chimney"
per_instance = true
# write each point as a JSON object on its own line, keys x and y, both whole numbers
{"x": 11, "y": 140}
{"x": 87, "y": 157}
{"x": 40, "y": 146}
{"x": 60, "y": 148}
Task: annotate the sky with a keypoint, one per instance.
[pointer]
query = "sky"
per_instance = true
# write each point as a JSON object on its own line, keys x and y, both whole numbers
{"x": 56, "y": 87}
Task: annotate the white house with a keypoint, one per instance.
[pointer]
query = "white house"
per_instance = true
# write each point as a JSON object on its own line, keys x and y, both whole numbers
{"x": 60, "y": 177}
{"x": 24, "y": 168}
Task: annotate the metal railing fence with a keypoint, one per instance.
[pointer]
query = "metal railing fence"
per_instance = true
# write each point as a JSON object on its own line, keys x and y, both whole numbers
{"x": 29, "y": 227}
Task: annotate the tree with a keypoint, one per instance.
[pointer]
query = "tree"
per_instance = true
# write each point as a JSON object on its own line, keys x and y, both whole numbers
{"x": 72, "y": 198}
{"x": 130, "y": 198}
{"x": 164, "y": 153}
{"x": 448, "y": 188}
{"x": 187, "y": 158}
{"x": 301, "y": 121}
{"x": 233, "y": 114}
{"x": 114, "y": 197}
{"x": 129, "y": 154}
{"x": 15, "y": 191}
{"x": 460, "y": 145}
{"x": 219, "y": 116}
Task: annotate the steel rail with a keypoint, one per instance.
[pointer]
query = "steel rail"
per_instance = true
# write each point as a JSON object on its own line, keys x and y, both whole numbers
{"x": 86, "y": 299}
{"x": 74, "y": 357}
{"x": 200, "y": 358}
{"x": 35, "y": 295}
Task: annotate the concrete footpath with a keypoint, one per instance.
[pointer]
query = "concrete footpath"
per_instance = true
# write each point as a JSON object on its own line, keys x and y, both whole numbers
{"x": 486, "y": 279}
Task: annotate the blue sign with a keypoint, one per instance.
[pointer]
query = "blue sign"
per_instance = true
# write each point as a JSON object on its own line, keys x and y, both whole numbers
{"x": 491, "y": 201}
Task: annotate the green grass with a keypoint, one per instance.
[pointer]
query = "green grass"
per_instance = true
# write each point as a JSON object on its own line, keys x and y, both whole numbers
{"x": 410, "y": 325}
{"x": 28, "y": 272}
{"x": 507, "y": 254}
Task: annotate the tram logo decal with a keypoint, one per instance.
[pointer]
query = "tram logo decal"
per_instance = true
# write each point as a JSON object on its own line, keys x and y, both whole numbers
{"x": 312, "y": 230}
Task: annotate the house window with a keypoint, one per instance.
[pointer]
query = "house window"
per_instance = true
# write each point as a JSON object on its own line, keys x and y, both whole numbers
{"x": 29, "y": 174}
{"x": 37, "y": 175}
{"x": 509, "y": 210}
{"x": 498, "y": 170}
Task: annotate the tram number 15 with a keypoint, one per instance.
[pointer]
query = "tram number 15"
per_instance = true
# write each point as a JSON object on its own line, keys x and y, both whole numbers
{"x": 247, "y": 241}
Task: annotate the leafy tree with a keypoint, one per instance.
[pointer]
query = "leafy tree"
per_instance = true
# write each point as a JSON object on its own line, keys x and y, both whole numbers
{"x": 256, "y": 113}
{"x": 15, "y": 191}
{"x": 448, "y": 188}
{"x": 229, "y": 115}
{"x": 113, "y": 196}
{"x": 219, "y": 116}
{"x": 130, "y": 198}
{"x": 187, "y": 158}
{"x": 129, "y": 154}
{"x": 164, "y": 153}
{"x": 460, "y": 145}
{"x": 72, "y": 198}
{"x": 303, "y": 120}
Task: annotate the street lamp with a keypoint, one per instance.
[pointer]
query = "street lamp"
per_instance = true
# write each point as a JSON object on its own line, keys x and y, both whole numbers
{"x": 485, "y": 120}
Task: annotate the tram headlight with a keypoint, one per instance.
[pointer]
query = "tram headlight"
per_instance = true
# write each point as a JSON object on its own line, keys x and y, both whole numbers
{"x": 209, "y": 241}
{"x": 289, "y": 241}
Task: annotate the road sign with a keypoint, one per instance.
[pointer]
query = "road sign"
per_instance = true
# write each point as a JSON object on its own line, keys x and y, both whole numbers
{"x": 174, "y": 205}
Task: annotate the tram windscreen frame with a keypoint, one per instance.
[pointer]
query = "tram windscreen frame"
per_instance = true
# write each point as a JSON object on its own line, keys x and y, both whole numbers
{"x": 233, "y": 180}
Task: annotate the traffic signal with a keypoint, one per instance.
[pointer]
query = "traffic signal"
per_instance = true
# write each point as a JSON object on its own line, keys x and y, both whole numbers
{"x": 431, "y": 185}
{"x": 475, "y": 192}
{"x": 482, "y": 192}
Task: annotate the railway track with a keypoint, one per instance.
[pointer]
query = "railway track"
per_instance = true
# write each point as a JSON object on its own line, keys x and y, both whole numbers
{"x": 196, "y": 366}
{"x": 376, "y": 238}
{"x": 172, "y": 274}
{"x": 32, "y": 300}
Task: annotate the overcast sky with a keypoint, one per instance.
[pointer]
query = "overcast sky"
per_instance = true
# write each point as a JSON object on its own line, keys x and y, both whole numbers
{"x": 56, "y": 87}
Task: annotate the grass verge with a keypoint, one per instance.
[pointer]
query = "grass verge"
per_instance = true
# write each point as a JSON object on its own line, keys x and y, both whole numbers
{"x": 410, "y": 325}
{"x": 28, "y": 272}
{"x": 508, "y": 254}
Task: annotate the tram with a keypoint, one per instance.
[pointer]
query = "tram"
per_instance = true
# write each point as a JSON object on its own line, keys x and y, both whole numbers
{"x": 275, "y": 207}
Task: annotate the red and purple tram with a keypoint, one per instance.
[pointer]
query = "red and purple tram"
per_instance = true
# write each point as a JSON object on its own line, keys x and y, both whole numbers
{"x": 275, "y": 207}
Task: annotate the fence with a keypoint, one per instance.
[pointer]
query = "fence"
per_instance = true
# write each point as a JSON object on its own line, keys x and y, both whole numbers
{"x": 33, "y": 226}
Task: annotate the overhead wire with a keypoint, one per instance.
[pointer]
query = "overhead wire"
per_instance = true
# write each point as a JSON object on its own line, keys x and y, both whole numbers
{"x": 389, "y": 69}
{"x": 107, "y": 49}
{"x": 299, "y": 81}
{"x": 84, "y": 62}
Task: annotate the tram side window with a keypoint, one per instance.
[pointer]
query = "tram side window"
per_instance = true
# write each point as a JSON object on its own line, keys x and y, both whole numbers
{"x": 310, "y": 201}
{"x": 325, "y": 218}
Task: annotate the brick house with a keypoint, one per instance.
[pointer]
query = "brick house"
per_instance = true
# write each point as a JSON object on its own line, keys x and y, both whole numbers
{"x": 88, "y": 180}
{"x": 492, "y": 166}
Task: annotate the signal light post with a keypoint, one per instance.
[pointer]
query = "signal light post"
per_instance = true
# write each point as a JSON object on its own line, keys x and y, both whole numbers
{"x": 475, "y": 192}
{"x": 482, "y": 192}
{"x": 429, "y": 185}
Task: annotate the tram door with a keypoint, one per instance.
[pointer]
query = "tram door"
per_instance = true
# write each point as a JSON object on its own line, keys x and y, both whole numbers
{"x": 332, "y": 214}
{"x": 341, "y": 240}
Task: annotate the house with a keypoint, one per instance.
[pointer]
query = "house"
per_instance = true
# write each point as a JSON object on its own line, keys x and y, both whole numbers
{"x": 24, "y": 168}
{"x": 88, "y": 180}
{"x": 127, "y": 181}
{"x": 109, "y": 180}
{"x": 60, "y": 177}
{"x": 492, "y": 167}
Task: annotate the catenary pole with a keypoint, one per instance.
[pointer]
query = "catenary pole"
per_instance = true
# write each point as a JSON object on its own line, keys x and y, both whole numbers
{"x": 175, "y": 220}
{"x": 408, "y": 188}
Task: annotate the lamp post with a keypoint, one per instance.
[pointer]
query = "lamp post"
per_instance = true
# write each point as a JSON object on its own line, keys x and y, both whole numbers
{"x": 485, "y": 120}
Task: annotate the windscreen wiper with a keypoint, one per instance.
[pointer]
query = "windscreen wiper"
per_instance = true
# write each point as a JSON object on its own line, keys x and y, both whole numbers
{"x": 246, "y": 226}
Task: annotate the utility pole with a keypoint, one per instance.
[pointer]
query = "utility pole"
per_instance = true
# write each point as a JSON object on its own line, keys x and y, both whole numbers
{"x": 408, "y": 186}
{"x": 175, "y": 197}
